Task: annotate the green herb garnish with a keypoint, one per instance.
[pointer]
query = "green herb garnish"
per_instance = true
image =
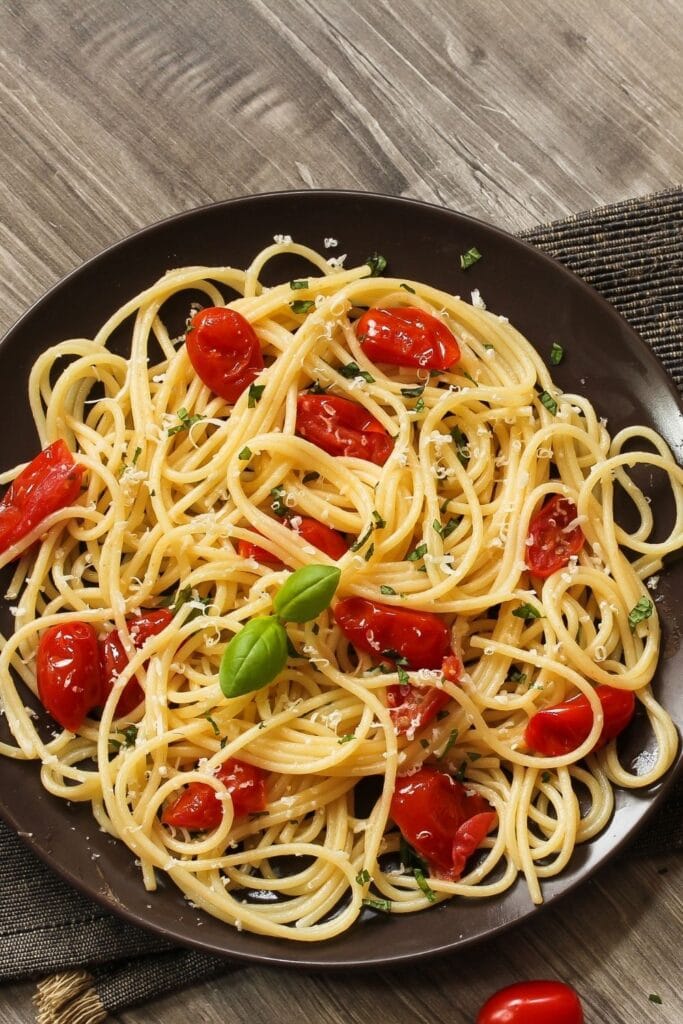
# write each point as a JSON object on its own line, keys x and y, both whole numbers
{"x": 419, "y": 552}
{"x": 423, "y": 884}
{"x": 387, "y": 591}
{"x": 301, "y": 305}
{"x": 527, "y": 611}
{"x": 469, "y": 258}
{"x": 548, "y": 401}
{"x": 377, "y": 264}
{"x": 449, "y": 743}
{"x": 462, "y": 447}
{"x": 378, "y": 904}
{"x": 363, "y": 877}
{"x": 353, "y": 370}
{"x": 186, "y": 421}
{"x": 296, "y": 285}
{"x": 415, "y": 392}
{"x": 308, "y": 478}
{"x": 407, "y": 288}
{"x": 254, "y": 394}
{"x": 556, "y": 354}
{"x": 640, "y": 611}
{"x": 212, "y": 723}
{"x": 245, "y": 454}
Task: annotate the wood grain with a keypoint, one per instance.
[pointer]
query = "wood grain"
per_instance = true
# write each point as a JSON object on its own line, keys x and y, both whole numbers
{"x": 115, "y": 114}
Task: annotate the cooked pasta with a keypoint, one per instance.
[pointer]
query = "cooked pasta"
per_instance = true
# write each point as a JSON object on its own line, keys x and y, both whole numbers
{"x": 178, "y": 483}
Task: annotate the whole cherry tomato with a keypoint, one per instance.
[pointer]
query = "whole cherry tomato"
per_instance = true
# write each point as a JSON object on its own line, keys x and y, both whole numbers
{"x": 413, "y": 707}
{"x": 198, "y": 806}
{"x": 561, "y": 728}
{"x": 113, "y": 657}
{"x": 421, "y": 638}
{"x": 50, "y": 482}
{"x": 68, "y": 672}
{"x": 552, "y": 543}
{"x": 341, "y": 427}
{"x": 431, "y": 809}
{"x": 323, "y": 537}
{"x": 405, "y": 336}
{"x": 224, "y": 351}
{"x": 533, "y": 1002}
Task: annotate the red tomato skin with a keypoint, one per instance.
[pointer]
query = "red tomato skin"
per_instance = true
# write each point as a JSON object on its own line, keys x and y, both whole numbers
{"x": 199, "y": 808}
{"x": 533, "y": 1002}
{"x": 413, "y": 707}
{"x": 50, "y": 482}
{"x": 430, "y": 808}
{"x": 453, "y": 668}
{"x": 322, "y": 537}
{"x": 341, "y": 427}
{"x": 113, "y": 657}
{"x": 245, "y": 549}
{"x": 224, "y": 351}
{"x": 421, "y": 638}
{"x": 68, "y": 672}
{"x": 561, "y": 728}
{"x": 551, "y": 547}
{"x": 406, "y": 336}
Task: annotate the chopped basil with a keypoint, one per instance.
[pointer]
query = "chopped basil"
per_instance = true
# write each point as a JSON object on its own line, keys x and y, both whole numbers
{"x": 545, "y": 777}
{"x": 369, "y": 553}
{"x": 316, "y": 388}
{"x": 347, "y": 737}
{"x": 379, "y": 522}
{"x": 245, "y": 454}
{"x": 352, "y": 370}
{"x": 403, "y": 677}
{"x": 212, "y": 723}
{"x": 527, "y": 611}
{"x": 186, "y": 421}
{"x": 462, "y": 447}
{"x": 295, "y": 285}
{"x": 378, "y": 904}
{"x": 301, "y": 305}
{"x": 452, "y": 524}
{"x": 419, "y": 552}
{"x": 517, "y": 677}
{"x": 548, "y": 401}
{"x": 254, "y": 394}
{"x": 437, "y": 527}
{"x": 363, "y": 877}
{"x": 469, "y": 258}
{"x": 640, "y": 611}
{"x": 407, "y": 288}
{"x": 309, "y": 477}
{"x": 449, "y": 743}
{"x": 363, "y": 538}
{"x": 419, "y": 405}
{"x": 393, "y": 655}
{"x": 460, "y": 774}
{"x": 556, "y": 354}
{"x": 416, "y": 392}
{"x": 377, "y": 264}
{"x": 654, "y": 998}
{"x": 489, "y": 348}
{"x": 130, "y": 735}
{"x": 423, "y": 884}
{"x": 387, "y": 590}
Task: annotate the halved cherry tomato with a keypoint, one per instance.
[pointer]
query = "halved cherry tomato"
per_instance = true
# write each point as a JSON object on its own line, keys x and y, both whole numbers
{"x": 323, "y": 537}
{"x": 113, "y": 657}
{"x": 405, "y": 336}
{"x": 68, "y": 672}
{"x": 50, "y": 482}
{"x": 198, "y": 806}
{"x": 431, "y": 810}
{"x": 341, "y": 427}
{"x": 394, "y": 633}
{"x": 413, "y": 707}
{"x": 245, "y": 549}
{"x": 533, "y": 1002}
{"x": 561, "y": 728}
{"x": 224, "y": 351}
{"x": 552, "y": 544}
{"x": 320, "y": 536}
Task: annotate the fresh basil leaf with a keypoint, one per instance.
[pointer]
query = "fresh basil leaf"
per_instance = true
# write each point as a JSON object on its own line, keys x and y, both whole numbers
{"x": 306, "y": 593}
{"x": 527, "y": 611}
{"x": 302, "y": 305}
{"x": 254, "y": 657}
{"x": 254, "y": 395}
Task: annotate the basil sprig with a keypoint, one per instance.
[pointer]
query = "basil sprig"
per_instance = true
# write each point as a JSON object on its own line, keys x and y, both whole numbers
{"x": 258, "y": 653}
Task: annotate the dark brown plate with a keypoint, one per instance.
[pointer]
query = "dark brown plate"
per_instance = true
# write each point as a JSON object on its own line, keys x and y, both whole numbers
{"x": 547, "y": 303}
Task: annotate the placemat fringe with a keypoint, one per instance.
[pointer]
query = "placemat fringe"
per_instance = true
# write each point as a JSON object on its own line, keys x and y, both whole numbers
{"x": 68, "y": 998}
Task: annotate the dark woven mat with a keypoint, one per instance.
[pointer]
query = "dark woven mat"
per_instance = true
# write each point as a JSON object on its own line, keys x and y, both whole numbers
{"x": 630, "y": 252}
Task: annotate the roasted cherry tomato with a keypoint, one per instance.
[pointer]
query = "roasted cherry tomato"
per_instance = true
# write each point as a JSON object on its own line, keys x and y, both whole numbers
{"x": 113, "y": 657}
{"x": 224, "y": 351}
{"x": 431, "y": 809}
{"x": 561, "y": 728}
{"x": 413, "y": 707}
{"x": 198, "y": 806}
{"x": 341, "y": 427}
{"x": 405, "y": 336}
{"x": 533, "y": 1002}
{"x": 327, "y": 540}
{"x": 394, "y": 633}
{"x": 68, "y": 672}
{"x": 50, "y": 482}
{"x": 551, "y": 543}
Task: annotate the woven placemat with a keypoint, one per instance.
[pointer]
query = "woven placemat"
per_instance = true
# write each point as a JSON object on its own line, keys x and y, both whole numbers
{"x": 630, "y": 252}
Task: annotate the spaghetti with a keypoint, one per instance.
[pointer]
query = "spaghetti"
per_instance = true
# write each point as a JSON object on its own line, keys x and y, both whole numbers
{"x": 192, "y": 501}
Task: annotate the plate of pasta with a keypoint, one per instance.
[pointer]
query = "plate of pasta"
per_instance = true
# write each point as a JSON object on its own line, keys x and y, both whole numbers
{"x": 339, "y": 541}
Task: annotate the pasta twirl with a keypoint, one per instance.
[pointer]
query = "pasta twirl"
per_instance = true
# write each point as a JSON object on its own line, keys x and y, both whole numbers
{"x": 178, "y": 481}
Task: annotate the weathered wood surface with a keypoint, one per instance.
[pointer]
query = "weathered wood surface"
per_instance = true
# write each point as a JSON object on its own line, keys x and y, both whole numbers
{"x": 115, "y": 114}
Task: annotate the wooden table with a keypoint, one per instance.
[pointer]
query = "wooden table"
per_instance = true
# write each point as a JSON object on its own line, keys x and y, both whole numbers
{"x": 116, "y": 114}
